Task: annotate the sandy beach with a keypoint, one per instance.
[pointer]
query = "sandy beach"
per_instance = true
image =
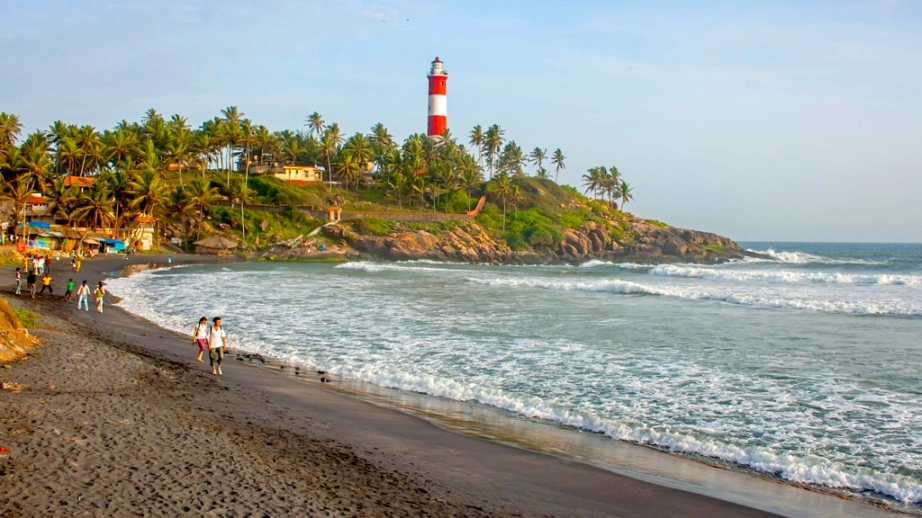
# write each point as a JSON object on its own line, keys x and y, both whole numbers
{"x": 116, "y": 418}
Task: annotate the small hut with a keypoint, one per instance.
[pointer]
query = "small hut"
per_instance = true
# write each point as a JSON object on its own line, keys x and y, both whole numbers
{"x": 215, "y": 245}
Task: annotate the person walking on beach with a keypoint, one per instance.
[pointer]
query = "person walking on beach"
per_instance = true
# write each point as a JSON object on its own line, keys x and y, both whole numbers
{"x": 46, "y": 283}
{"x": 69, "y": 290}
{"x": 200, "y": 336}
{"x": 217, "y": 346}
{"x": 30, "y": 283}
{"x": 73, "y": 263}
{"x": 83, "y": 293}
{"x": 100, "y": 295}
{"x": 19, "y": 281}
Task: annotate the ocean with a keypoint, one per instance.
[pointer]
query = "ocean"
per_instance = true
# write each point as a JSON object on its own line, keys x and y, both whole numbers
{"x": 805, "y": 368}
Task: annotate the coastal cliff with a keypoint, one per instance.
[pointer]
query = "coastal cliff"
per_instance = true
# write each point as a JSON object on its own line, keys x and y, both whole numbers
{"x": 471, "y": 243}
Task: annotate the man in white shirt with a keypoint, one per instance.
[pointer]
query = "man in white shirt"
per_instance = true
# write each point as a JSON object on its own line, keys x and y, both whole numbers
{"x": 217, "y": 346}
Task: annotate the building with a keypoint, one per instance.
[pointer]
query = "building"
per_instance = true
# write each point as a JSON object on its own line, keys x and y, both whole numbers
{"x": 299, "y": 174}
{"x": 438, "y": 99}
{"x": 80, "y": 182}
{"x": 39, "y": 208}
{"x": 215, "y": 245}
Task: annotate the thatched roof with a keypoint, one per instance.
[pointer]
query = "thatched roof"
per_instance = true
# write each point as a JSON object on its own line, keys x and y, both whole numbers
{"x": 217, "y": 242}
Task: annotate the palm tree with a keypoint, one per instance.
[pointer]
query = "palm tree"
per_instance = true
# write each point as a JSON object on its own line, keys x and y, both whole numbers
{"x": 330, "y": 146}
{"x": 18, "y": 190}
{"x": 240, "y": 193}
{"x": 477, "y": 141}
{"x": 149, "y": 192}
{"x": 396, "y": 185}
{"x": 493, "y": 141}
{"x": 557, "y": 161}
{"x": 537, "y": 157}
{"x": 201, "y": 196}
{"x": 179, "y": 206}
{"x": 10, "y": 129}
{"x": 360, "y": 150}
{"x": 502, "y": 188}
{"x": 624, "y": 192}
{"x": 35, "y": 163}
{"x": 247, "y": 140}
{"x": 471, "y": 176}
{"x": 96, "y": 205}
{"x": 315, "y": 122}
{"x": 595, "y": 180}
{"x": 543, "y": 174}
{"x": 348, "y": 168}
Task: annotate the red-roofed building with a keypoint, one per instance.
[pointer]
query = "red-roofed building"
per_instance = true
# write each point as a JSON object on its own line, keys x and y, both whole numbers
{"x": 83, "y": 182}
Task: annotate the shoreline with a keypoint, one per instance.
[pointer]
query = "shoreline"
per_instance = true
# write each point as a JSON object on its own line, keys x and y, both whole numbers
{"x": 557, "y": 485}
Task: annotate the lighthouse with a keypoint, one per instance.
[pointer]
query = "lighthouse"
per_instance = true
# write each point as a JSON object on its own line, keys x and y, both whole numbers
{"x": 438, "y": 99}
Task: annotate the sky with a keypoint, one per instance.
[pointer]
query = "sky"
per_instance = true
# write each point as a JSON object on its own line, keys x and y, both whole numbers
{"x": 761, "y": 121}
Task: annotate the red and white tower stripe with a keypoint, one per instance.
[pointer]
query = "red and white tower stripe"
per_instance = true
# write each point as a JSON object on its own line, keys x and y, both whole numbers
{"x": 438, "y": 99}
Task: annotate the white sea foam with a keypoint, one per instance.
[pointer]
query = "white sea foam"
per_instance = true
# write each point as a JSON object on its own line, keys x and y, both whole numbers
{"x": 592, "y": 263}
{"x": 783, "y": 276}
{"x": 718, "y": 293}
{"x": 795, "y": 257}
{"x": 671, "y": 398}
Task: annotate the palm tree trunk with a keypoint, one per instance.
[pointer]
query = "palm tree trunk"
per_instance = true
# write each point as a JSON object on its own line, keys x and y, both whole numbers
{"x": 243, "y": 223}
{"x": 504, "y": 213}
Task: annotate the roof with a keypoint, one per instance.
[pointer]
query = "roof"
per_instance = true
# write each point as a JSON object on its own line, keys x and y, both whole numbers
{"x": 144, "y": 218}
{"x": 219, "y": 242}
{"x": 79, "y": 181}
{"x": 36, "y": 199}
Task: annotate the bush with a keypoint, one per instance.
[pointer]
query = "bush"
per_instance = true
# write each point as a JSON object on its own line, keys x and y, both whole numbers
{"x": 372, "y": 226}
{"x": 656, "y": 223}
{"x": 490, "y": 217}
{"x": 516, "y": 241}
{"x": 574, "y": 219}
{"x": 542, "y": 235}
{"x": 456, "y": 202}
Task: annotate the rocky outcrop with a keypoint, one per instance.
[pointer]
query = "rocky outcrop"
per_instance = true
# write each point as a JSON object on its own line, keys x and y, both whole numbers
{"x": 470, "y": 243}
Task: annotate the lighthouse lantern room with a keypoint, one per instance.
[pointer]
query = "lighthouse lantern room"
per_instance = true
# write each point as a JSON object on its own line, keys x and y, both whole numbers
{"x": 438, "y": 99}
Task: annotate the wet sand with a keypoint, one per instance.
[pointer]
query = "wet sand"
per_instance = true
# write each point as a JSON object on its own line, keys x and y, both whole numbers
{"x": 118, "y": 418}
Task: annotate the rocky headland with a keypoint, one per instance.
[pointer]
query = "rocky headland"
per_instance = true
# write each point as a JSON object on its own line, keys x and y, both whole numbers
{"x": 469, "y": 242}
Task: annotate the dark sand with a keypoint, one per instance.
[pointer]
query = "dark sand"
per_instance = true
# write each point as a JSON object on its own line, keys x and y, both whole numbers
{"x": 118, "y": 419}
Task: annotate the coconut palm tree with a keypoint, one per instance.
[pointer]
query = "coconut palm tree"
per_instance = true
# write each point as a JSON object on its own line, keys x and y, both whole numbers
{"x": 248, "y": 140}
{"x": 537, "y": 157}
{"x": 593, "y": 180}
{"x": 315, "y": 123}
{"x": 396, "y": 185}
{"x": 348, "y": 168}
{"x": 149, "y": 192}
{"x": 179, "y": 206}
{"x": 360, "y": 150}
{"x": 493, "y": 142}
{"x": 95, "y": 205}
{"x": 557, "y": 161}
{"x": 477, "y": 141}
{"x": 240, "y": 193}
{"x": 201, "y": 196}
{"x": 18, "y": 190}
{"x": 625, "y": 193}
{"x": 35, "y": 162}
{"x": 502, "y": 189}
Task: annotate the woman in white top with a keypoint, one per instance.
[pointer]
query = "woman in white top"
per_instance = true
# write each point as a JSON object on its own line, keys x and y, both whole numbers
{"x": 200, "y": 336}
{"x": 217, "y": 346}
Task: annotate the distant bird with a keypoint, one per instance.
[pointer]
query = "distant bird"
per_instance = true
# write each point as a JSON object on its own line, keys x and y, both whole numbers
{"x": 408, "y": 19}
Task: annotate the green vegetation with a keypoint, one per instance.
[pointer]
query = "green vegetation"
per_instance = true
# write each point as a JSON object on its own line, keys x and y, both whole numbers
{"x": 656, "y": 223}
{"x": 26, "y": 317}
{"x": 197, "y": 182}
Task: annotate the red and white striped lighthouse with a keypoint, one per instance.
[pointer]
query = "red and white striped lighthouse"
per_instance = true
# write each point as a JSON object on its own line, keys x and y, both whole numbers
{"x": 438, "y": 99}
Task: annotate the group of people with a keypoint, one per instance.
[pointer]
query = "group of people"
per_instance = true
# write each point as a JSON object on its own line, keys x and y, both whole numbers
{"x": 214, "y": 339}
{"x": 83, "y": 291}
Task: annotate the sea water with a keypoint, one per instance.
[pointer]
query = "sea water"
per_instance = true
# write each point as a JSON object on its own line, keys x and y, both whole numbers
{"x": 805, "y": 367}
